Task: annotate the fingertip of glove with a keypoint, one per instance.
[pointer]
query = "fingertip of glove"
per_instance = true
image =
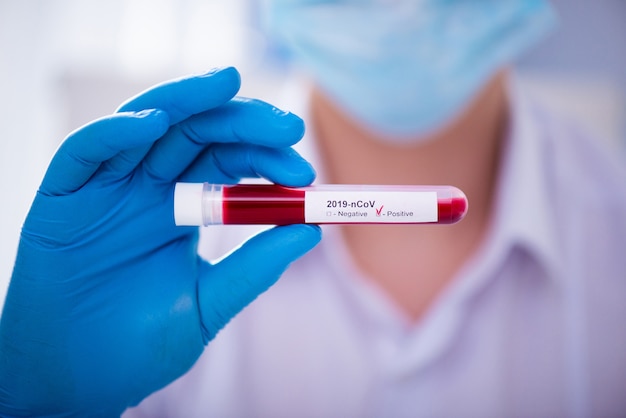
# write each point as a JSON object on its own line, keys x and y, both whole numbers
{"x": 290, "y": 124}
{"x": 228, "y": 71}
{"x": 308, "y": 234}
{"x": 227, "y": 76}
{"x": 301, "y": 173}
{"x": 314, "y": 230}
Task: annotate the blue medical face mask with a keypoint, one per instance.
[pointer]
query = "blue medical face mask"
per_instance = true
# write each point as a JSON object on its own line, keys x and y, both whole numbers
{"x": 404, "y": 68}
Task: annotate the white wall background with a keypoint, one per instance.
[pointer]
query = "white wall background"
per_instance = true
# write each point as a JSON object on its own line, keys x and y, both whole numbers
{"x": 65, "y": 62}
{"x": 580, "y": 68}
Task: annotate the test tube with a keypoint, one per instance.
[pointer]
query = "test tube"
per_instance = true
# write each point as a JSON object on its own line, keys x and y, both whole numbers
{"x": 269, "y": 204}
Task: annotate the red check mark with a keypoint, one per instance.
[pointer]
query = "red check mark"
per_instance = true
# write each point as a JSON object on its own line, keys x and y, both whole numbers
{"x": 379, "y": 210}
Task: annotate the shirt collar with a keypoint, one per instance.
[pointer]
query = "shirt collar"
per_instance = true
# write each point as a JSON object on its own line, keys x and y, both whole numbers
{"x": 524, "y": 216}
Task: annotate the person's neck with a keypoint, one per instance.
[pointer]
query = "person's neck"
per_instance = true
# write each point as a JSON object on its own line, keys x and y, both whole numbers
{"x": 412, "y": 264}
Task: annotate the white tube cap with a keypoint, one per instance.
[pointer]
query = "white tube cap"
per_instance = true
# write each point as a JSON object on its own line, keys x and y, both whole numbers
{"x": 188, "y": 204}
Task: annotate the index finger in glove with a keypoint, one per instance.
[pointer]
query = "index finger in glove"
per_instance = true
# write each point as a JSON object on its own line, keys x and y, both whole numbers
{"x": 188, "y": 96}
{"x": 82, "y": 153}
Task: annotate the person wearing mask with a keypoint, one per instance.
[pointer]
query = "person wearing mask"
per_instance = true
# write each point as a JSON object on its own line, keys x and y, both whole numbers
{"x": 513, "y": 311}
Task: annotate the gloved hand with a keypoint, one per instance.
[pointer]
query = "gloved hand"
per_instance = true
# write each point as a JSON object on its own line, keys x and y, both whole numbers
{"x": 109, "y": 300}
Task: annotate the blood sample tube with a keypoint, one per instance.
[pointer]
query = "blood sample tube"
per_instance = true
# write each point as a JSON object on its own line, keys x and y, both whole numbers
{"x": 270, "y": 204}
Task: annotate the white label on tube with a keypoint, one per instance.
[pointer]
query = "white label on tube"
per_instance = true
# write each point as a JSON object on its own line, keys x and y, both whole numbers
{"x": 337, "y": 206}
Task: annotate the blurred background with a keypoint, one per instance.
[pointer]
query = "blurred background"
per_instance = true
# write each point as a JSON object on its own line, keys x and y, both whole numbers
{"x": 66, "y": 62}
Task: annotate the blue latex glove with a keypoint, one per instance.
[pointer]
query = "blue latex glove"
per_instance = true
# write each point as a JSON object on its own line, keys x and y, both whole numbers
{"x": 109, "y": 300}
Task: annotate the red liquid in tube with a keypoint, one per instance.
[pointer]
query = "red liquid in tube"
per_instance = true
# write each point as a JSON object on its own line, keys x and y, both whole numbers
{"x": 262, "y": 205}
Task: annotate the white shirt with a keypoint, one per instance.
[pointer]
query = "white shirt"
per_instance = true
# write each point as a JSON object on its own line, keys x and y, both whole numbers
{"x": 532, "y": 326}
